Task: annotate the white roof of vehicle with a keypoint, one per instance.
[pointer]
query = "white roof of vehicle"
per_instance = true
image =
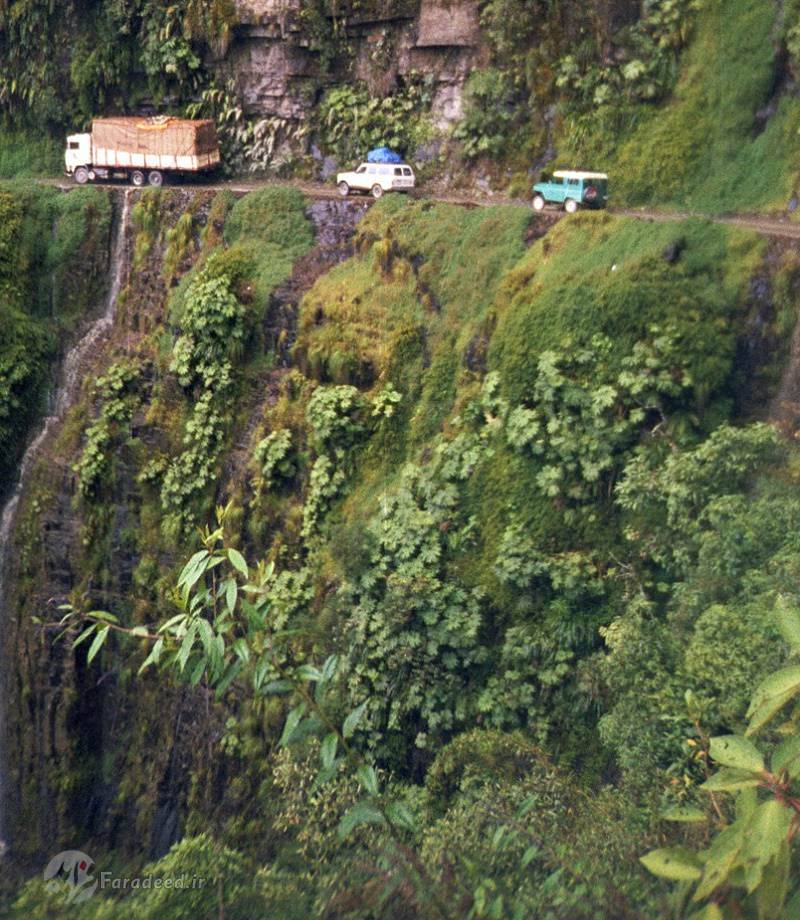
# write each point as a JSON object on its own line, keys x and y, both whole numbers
{"x": 578, "y": 174}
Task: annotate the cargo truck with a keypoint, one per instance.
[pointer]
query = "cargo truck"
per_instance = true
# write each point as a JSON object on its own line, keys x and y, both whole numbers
{"x": 142, "y": 150}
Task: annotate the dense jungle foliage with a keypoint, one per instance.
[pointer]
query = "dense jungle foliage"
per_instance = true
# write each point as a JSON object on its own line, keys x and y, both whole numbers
{"x": 503, "y": 558}
{"x": 454, "y": 574}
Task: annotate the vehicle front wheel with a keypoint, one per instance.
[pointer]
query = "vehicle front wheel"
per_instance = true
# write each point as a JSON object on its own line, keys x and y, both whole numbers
{"x": 377, "y": 191}
{"x": 344, "y": 189}
{"x": 538, "y": 203}
{"x": 155, "y": 178}
{"x": 570, "y": 206}
{"x": 137, "y": 178}
{"x": 81, "y": 175}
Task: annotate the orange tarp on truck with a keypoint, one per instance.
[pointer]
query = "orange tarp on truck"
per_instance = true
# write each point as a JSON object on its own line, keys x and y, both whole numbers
{"x": 172, "y": 137}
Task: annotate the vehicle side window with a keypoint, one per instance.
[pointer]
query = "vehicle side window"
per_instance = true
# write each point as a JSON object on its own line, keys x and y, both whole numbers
{"x": 360, "y": 170}
{"x": 406, "y": 170}
{"x": 398, "y": 171}
{"x": 372, "y": 170}
{"x": 386, "y": 170}
{"x": 73, "y": 145}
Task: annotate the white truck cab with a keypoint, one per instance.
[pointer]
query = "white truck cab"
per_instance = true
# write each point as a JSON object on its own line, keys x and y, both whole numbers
{"x": 78, "y": 157}
{"x": 377, "y": 178}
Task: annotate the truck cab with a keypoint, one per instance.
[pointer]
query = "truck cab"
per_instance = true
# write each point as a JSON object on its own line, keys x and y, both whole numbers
{"x": 572, "y": 189}
{"x": 78, "y": 156}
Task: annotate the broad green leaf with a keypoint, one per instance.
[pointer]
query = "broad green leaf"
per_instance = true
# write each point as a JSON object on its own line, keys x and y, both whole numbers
{"x": 186, "y": 647}
{"x": 154, "y": 656}
{"x": 171, "y": 622}
{"x": 102, "y": 616}
{"x": 368, "y": 778}
{"x": 766, "y": 710}
{"x": 787, "y": 757}
{"x": 206, "y": 634}
{"x": 309, "y": 672}
{"x": 292, "y": 721}
{"x": 766, "y": 830}
{"x": 400, "y": 815}
{"x": 687, "y": 813}
{"x": 197, "y": 673}
{"x": 329, "y": 668}
{"x": 277, "y": 686}
{"x": 238, "y": 562}
{"x": 528, "y": 856}
{"x": 191, "y": 565}
{"x": 730, "y": 781}
{"x": 737, "y": 752}
{"x": 327, "y": 750}
{"x": 360, "y": 813}
{"x": 352, "y": 720}
{"x": 788, "y": 621}
{"x": 746, "y": 802}
{"x": 231, "y": 594}
{"x": 676, "y": 863}
{"x": 233, "y": 671}
{"x": 721, "y": 859}
{"x": 89, "y": 631}
{"x": 95, "y": 647}
{"x": 771, "y": 893}
{"x": 787, "y": 680}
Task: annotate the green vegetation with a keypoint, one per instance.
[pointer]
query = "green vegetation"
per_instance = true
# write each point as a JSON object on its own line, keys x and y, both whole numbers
{"x": 53, "y": 253}
{"x": 709, "y": 148}
{"x": 496, "y": 557}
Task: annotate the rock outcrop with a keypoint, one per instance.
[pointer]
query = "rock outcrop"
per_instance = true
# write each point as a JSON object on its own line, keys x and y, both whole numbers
{"x": 278, "y": 68}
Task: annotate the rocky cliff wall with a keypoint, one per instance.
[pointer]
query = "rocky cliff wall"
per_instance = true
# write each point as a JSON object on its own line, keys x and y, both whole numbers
{"x": 278, "y": 67}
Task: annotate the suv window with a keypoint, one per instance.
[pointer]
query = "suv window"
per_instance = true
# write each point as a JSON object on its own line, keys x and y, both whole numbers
{"x": 74, "y": 145}
{"x": 372, "y": 170}
{"x": 398, "y": 171}
{"x": 360, "y": 170}
{"x": 385, "y": 170}
{"x": 406, "y": 170}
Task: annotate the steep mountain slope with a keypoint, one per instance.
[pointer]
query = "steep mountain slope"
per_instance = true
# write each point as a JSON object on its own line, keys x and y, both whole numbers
{"x": 445, "y": 428}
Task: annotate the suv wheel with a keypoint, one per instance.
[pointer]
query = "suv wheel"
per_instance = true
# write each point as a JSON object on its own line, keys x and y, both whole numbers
{"x": 81, "y": 175}
{"x": 538, "y": 203}
{"x": 570, "y": 206}
{"x": 344, "y": 189}
{"x": 377, "y": 190}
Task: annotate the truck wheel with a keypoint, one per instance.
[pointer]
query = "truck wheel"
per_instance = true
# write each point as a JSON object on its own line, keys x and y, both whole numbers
{"x": 570, "y": 206}
{"x": 155, "y": 178}
{"x": 81, "y": 175}
{"x": 377, "y": 191}
{"x": 344, "y": 189}
{"x": 538, "y": 203}
{"x": 137, "y": 178}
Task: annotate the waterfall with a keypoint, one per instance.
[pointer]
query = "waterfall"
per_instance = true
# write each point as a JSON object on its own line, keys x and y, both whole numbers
{"x": 68, "y": 384}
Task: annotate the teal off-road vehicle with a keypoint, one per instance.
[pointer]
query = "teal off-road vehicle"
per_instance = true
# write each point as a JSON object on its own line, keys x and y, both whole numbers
{"x": 572, "y": 190}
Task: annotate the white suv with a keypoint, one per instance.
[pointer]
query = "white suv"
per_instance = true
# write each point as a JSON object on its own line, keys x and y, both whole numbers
{"x": 377, "y": 178}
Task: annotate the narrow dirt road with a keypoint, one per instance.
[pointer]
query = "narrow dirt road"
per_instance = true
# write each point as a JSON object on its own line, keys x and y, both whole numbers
{"x": 766, "y": 226}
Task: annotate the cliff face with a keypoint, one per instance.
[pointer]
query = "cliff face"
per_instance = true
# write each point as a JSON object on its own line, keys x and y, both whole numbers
{"x": 277, "y": 67}
{"x": 419, "y": 299}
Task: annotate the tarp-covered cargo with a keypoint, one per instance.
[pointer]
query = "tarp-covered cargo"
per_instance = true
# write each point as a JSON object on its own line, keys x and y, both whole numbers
{"x": 383, "y": 155}
{"x": 163, "y": 143}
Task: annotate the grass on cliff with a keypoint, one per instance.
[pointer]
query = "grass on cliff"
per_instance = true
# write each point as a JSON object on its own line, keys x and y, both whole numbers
{"x": 438, "y": 296}
{"x": 723, "y": 143}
